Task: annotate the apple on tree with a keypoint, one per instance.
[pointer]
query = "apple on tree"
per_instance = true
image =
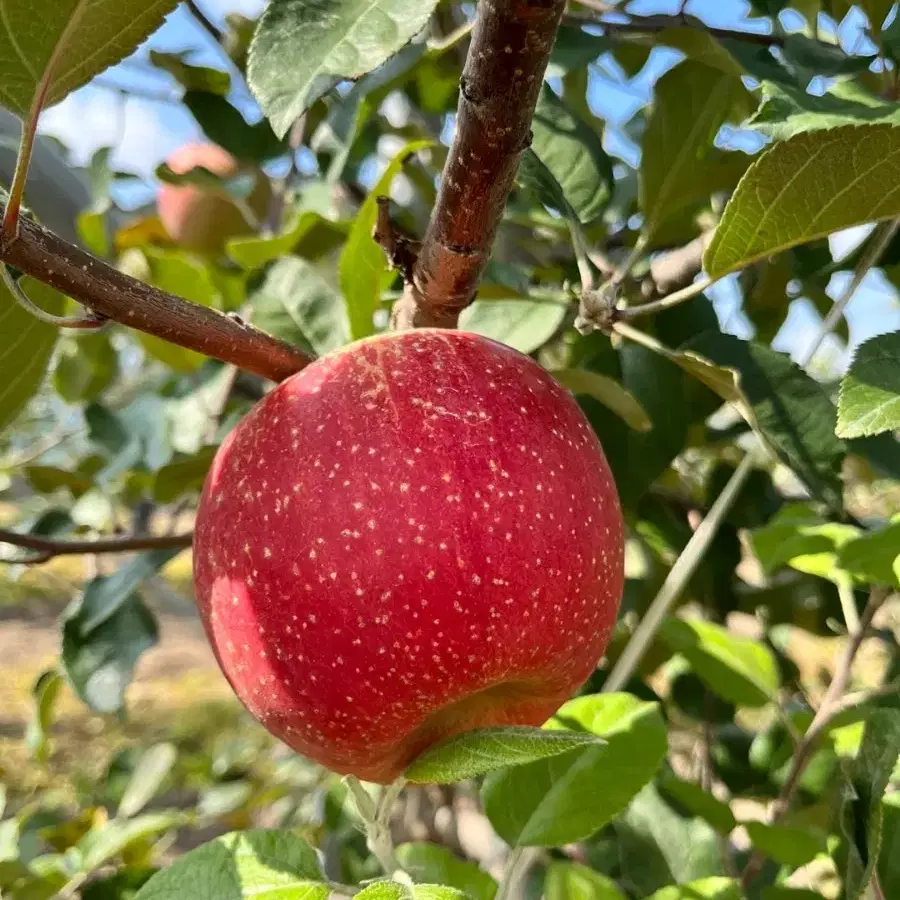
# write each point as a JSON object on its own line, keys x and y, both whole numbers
{"x": 201, "y": 220}
{"x": 415, "y": 536}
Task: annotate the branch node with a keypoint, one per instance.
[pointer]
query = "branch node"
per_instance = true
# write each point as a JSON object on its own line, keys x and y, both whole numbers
{"x": 597, "y": 309}
{"x": 401, "y": 251}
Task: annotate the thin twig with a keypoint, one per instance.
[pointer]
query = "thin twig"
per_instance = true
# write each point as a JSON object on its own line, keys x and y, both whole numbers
{"x": 203, "y": 20}
{"x": 502, "y": 78}
{"x": 89, "y": 322}
{"x": 657, "y": 306}
{"x": 649, "y": 25}
{"x": 47, "y": 548}
{"x": 832, "y": 703}
{"x": 108, "y": 292}
{"x": 678, "y": 577}
{"x": 882, "y": 236}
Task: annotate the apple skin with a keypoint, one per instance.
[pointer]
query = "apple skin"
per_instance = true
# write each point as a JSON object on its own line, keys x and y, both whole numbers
{"x": 415, "y": 536}
{"x": 199, "y": 220}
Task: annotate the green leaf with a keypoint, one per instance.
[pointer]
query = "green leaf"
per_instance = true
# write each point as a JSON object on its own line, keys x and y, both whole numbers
{"x": 432, "y": 863}
{"x": 298, "y": 305}
{"x": 224, "y": 125}
{"x": 788, "y": 844}
{"x": 822, "y": 59}
{"x": 475, "y": 753}
{"x": 300, "y": 50}
{"x": 87, "y": 365}
{"x": 569, "y": 881}
{"x": 182, "y": 475}
{"x": 609, "y": 392}
{"x": 738, "y": 669}
{"x": 715, "y": 888}
{"x": 534, "y": 176}
{"x": 151, "y": 770}
{"x": 889, "y": 859}
{"x": 99, "y": 663}
{"x": 105, "y": 594}
{"x": 102, "y": 844}
{"x": 264, "y": 865}
{"x": 874, "y": 556}
{"x": 309, "y": 235}
{"x": 362, "y": 264}
{"x": 862, "y": 812}
{"x": 783, "y": 200}
{"x": 792, "y": 411}
{"x": 869, "y": 401}
{"x": 787, "y": 110}
{"x": 554, "y": 801}
{"x": 657, "y": 847}
{"x": 194, "y": 78}
{"x": 47, "y": 479}
{"x": 699, "y": 803}
{"x": 392, "y": 890}
{"x": 691, "y": 103}
{"x": 80, "y": 38}
{"x": 798, "y": 536}
{"x": 27, "y": 345}
{"x": 573, "y": 153}
{"x": 525, "y": 325}
{"x": 44, "y": 694}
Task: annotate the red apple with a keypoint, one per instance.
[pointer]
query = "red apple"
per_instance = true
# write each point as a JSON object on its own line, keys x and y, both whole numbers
{"x": 198, "y": 219}
{"x": 415, "y": 536}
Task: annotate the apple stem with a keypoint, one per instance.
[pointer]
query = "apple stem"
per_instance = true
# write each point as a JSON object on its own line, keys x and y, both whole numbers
{"x": 376, "y": 817}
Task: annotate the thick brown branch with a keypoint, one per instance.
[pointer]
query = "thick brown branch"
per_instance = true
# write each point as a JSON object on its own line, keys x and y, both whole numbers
{"x": 110, "y": 293}
{"x": 47, "y": 548}
{"x": 508, "y": 54}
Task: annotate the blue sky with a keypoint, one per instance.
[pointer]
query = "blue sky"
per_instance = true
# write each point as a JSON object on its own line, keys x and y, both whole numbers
{"x": 144, "y": 131}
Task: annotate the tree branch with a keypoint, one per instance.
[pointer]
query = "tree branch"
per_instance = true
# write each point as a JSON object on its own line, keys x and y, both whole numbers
{"x": 508, "y": 54}
{"x": 649, "y": 25}
{"x": 115, "y": 295}
{"x": 47, "y": 548}
{"x": 832, "y": 703}
{"x": 676, "y": 269}
{"x": 203, "y": 20}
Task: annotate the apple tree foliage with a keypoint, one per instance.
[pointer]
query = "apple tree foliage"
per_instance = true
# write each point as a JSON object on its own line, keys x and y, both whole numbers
{"x": 707, "y": 773}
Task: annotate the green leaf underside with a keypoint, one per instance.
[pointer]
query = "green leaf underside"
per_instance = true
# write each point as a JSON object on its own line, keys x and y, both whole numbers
{"x": 869, "y": 401}
{"x": 264, "y": 865}
{"x": 523, "y": 324}
{"x": 392, "y": 890}
{"x": 805, "y": 188}
{"x": 433, "y": 864}
{"x": 86, "y": 37}
{"x": 573, "y": 153}
{"x": 301, "y": 50}
{"x": 557, "y": 800}
{"x": 786, "y": 111}
{"x": 691, "y": 103}
{"x": 487, "y": 749}
{"x": 26, "y": 346}
{"x": 609, "y": 392}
